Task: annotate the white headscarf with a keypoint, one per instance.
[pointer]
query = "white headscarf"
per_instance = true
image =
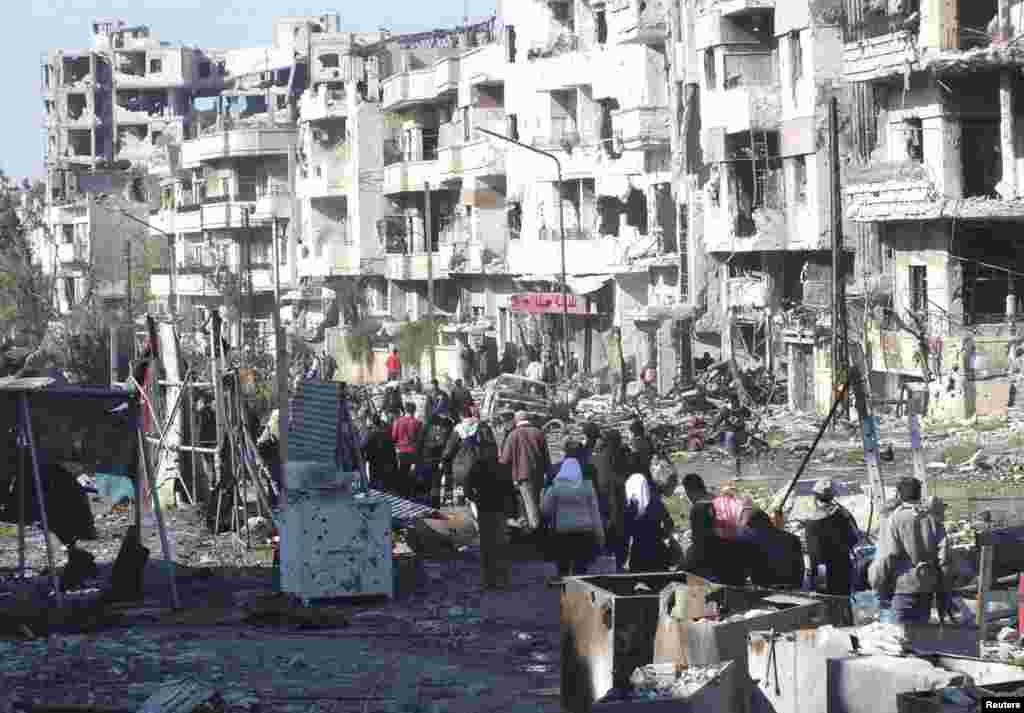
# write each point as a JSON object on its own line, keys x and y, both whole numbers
{"x": 570, "y": 471}
{"x": 638, "y": 491}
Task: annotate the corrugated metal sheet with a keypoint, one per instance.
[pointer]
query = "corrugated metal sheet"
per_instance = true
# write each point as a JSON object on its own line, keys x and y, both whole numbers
{"x": 313, "y": 422}
{"x": 403, "y": 511}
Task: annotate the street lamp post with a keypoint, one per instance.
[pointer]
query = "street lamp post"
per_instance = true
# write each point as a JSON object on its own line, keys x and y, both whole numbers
{"x": 561, "y": 231}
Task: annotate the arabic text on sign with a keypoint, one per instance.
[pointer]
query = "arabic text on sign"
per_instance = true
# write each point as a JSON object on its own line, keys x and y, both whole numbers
{"x": 547, "y": 302}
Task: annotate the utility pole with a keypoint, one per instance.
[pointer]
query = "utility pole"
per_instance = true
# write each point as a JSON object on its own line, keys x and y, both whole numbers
{"x": 250, "y": 307}
{"x": 280, "y": 348}
{"x": 839, "y": 342}
{"x": 427, "y": 224}
{"x": 128, "y": 284}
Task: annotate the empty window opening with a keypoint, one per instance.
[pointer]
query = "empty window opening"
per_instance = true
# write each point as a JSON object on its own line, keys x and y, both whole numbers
{"x": 331, "y": 133}
{"x": 665, "y": 210}
{"x": 69, "y": 291}
{"x": 489, "y": 96}
{"x": 754, "y": 176}
{"x": 982, "y": 165}
{"x": 601, "y": 27}
{"x": 561, "y": 12}
{"x": 76, "y": 69}
{"x": 564, "y": 117}
{"x": 80, "y": 142}
{"x": 918, "y": 289}
{"x": 68, "y": 232}
{"x": 77, "y": 105}
{"x": 151, "y": 102}
{"x": 710, "y": 70}
{"x": 636, "y": 211}
{"x": 979, "y": 23}
{"x": 913, "y": 139}
{"x": 607, "y": 127}
{"x": 609, "y": 209}
{"x": 580, "y": 213}
{"x": 204, "y": 69}
{"x": 748, "y": 69}
{"x": 796, "y": 60}
{"x": 983, "y": 287}
{"x": 132, "y": 63}
{"x": 156, "y": 65}
{"x": 331, "y": 60}
{"x": 800, "y": 178}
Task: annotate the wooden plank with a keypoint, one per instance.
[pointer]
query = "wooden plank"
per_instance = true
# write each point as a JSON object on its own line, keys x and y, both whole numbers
{"x": 984, "y": 587}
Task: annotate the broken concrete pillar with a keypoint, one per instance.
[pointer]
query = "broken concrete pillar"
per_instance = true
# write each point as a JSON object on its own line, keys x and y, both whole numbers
{"x": 1006, "y": 134}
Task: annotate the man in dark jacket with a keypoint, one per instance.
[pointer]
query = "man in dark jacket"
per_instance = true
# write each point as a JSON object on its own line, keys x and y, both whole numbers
{"x": 774, "y": 557}
{"x": 832, "y": 533}
{"x": 460, "y": 400}
{"x": 526, "y": 451}
{"x": 709, "y": 555}
{"x": 913, "y": 563}
{"x": 381, "y": 456}
{"x": 611, "y": 465}
{"x": 488, "y": 485}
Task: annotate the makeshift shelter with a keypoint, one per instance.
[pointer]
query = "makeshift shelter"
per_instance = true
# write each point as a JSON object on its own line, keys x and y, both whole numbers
{"x": 93, "y": 426}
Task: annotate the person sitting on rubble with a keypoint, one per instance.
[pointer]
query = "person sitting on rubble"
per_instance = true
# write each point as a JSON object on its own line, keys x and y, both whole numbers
{"x": 732, "y": 419}
{"x": 710, "y": 556}
{"x": 913, "y": 564}
{"x": 832, "y": 533}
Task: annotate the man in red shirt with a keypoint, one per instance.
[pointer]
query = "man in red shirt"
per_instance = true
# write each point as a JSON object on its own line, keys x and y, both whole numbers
{"x": 406, "y": 435}
{"x": 394, "y": 365}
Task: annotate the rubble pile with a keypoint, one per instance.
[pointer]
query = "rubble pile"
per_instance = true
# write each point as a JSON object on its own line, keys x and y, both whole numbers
{"x": 671, "y": 681}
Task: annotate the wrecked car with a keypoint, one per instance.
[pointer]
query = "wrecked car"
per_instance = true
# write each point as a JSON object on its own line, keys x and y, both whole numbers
{"x": 510, "y": 393}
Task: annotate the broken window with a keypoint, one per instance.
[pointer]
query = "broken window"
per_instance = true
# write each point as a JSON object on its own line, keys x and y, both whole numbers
{"x": 913, "y": 139}
{"x": 69, "y": 291}
{"x": 607, "y": 127}
{"x": 796, "y": 60}
{"x": 132, "y": 63}
{"x": 204, "y": 69}
{"x": 76, "y": 106}
{"x": 601, "y": 27}
{"x": 80, "y": 142}
{"x": 918, "y": 289}
{"x": 156, "y": 65}
{"x": 800, "y": 178}
{"x": 330, "y": 60}
{"x": 982, "y": 165}
{"x": 710, "y": 73}
{"x": 636, "y": 211}
{"x": 76, "y": 69}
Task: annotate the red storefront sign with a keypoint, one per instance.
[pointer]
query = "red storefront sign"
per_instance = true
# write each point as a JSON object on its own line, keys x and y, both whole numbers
{"x": 548, "y": 303}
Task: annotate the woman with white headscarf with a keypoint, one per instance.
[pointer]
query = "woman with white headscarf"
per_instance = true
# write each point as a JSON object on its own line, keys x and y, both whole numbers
{"x": 570, "y": 508}
{"x": 646, "y": 525}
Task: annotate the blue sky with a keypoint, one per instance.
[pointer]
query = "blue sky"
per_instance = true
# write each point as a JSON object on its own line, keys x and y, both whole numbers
{"x": 34, "y": 26}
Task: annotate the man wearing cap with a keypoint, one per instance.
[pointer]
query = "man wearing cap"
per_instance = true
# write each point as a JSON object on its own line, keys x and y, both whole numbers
{"x": 832, "y": 533}
{"x": 913, "y": 563}
{"x": 526, "y": 450}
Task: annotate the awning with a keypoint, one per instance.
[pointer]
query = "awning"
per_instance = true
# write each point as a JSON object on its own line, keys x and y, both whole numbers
{"x": 308, "y": 293}
{"x": 587, "y": 285}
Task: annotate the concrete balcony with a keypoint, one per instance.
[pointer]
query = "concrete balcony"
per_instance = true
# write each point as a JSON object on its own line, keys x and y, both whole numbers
{"x": 745, "y": 108}
{"x": 479, "y": 158}
{"x": 892, "y": 191}
{"x": 407, "y": 89}
{"x": 210, "y": 216}
{"x": 590, "y": 255}
{"x": 338, "y": 183}
{"x": 238, "y": 143}
{"x": 887, "y": 55}
{"x": 563, "y": 64}
{"x": 641, "y": 127}
{"x": 446, "y": 75}
{"x": 414, "y": 267}
{"x": 323, "y": 104}
{"x": 76, "y": 253}
{"x": 274, "y": 202}
{"x": 410, "y": 176}
{"x": 730, "y": 8}
{"x": 484, "y": 65}
{"x": 636, "y": 22}
{"x": 196, "y": 283}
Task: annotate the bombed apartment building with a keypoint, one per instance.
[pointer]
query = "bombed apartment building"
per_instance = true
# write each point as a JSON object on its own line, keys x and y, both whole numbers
{"x": 612, "y": 138}
{"x": 339, "y": 172}
{"x": 766, "y": 74}
{"x": 945, "y": 190}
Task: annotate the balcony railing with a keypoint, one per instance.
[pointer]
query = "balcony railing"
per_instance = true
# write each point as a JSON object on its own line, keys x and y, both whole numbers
{"x": 874, "y": 25}
{"x": 571, "y": 233}
{"x": 562, "y": 44}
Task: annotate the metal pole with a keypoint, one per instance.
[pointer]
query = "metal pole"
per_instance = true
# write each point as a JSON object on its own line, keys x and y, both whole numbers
{"x": 837, "y": 237}
{"x": 21, "y": 507}
{"x": 30, "y": 441}
{"x": 428, "y": 225}
{"x": 165, "y": 544}
{"x": 281, "y": 353}
{"x": 561, "y": 227}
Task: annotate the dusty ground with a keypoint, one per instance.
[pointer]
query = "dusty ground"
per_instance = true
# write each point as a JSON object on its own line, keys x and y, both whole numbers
{"x": 446, "y": 647}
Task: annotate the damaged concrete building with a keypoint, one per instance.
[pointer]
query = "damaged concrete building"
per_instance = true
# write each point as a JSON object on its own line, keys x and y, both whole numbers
{"x": 945, "y": 191}
{"x": 765, "y": 74}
